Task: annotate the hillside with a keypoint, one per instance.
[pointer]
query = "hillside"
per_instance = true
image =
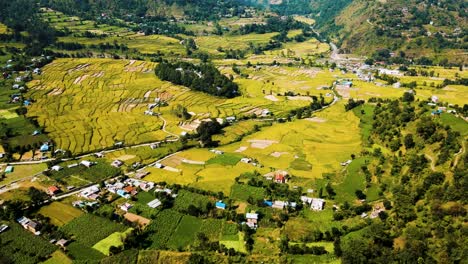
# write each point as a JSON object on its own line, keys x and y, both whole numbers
{"x": 416, "y": 28}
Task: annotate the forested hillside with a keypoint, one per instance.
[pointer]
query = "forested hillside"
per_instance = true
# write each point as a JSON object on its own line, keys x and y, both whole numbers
{"x": 417, "y": 28}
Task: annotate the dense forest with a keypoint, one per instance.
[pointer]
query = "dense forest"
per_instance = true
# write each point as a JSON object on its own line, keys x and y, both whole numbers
{"x": 425, "y": 208}
{"x": 205, "y": 78}
{"x": 23, "y": 16}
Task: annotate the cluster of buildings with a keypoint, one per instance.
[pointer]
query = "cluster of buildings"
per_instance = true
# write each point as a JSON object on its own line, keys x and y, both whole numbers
{"x": 29, "y": 225}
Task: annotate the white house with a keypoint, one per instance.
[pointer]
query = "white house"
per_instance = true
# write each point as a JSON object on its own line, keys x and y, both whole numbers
{"x": 317, "y": 204}
{"x": 56, "y": 168}
{"x": 155, "y": 203}
{"x": 86, "y": 163}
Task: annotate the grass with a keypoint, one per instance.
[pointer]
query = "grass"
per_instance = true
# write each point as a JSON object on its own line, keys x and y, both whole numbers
{"x": 22, "y": 171}
{"x": 226, "y": 159}
{"x": 58, "y": 257}
{"x": 60, "y": 213}
{"x": 212, "y": 228}
{"x": 21, "y": 246}
{"x": 237, "y": 245}
{"x": 81, "y": 252}
{"x": 243, "y": 192}
{"x": 456, "y": 123}
{"x": 162, "y": 228}
{"x": 354, "y": 179}
{"x": 185, "y": 233}
{"x": 89, "y": 229}
{"x": 116, "y": 239}
{"x": 185, "y": 199}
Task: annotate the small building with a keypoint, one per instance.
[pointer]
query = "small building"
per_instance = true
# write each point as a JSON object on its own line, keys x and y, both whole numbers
{"x": 62, "y": 243}
{"x": 141, "y": 174}
{"x": 36, "y": 132}
{"x": 155, "y": 203}
{"x": 246, "y": 160}
{"x": 52, "y": 190}
{"x": 44, "y": 148}
{"x": 346, "y": 163}
{"x": 73, "y": 165}
{"x": 220, "y": 205}
{"x": 99, "y": 155}
{"x": 278, "y": 176}
{"x": 56, "y": 168}
{"x": 117, "y": 163}
{"x": 123, "y": 194}
{"x": 268, "y": 203}
{"x": 3, "y": 228}
{"x": 252, "y": 220}
{"x": 29, "y": 225}
{"x": 87, "y": 163}
{"x": 9, "y": 169}
{"x": 434, "y": 99}
{"x": 317, "y": 204}
{"x": 126, "y": 206}
{"x": 131, "y": 190}
{"x": 279, "y": 204}
{"x": 231, "y": 119}
{"x": 158, "y": 165}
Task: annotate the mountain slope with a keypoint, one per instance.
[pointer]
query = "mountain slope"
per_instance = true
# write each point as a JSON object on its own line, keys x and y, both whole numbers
{"x": 416, "y": 28}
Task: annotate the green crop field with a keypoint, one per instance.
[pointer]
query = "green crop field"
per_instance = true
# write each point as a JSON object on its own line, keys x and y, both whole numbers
{"x": 162, "y": 228}
{"x": 243, "y": 192}
{"x": 21, "y": 246}
{"x": 116, "y": 239}
{"x": 89, "y": 229}
{"x": 186, "y": 198}
{"x": 21, "y": 171}
{"x": 225, "y": 159}
{"x": 212, "y": 228}
{"x": 58, "y": 257}
{"x": 185, "y": 233}
{"x": 60, "y": 213}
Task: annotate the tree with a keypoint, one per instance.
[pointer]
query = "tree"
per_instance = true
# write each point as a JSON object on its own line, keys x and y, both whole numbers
{"x": 408, "y": 97}
{"x": 409, "y": 142}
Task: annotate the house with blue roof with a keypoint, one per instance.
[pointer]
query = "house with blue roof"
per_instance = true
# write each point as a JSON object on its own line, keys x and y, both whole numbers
{"x": 220, "y": 205}
{"x": 268, "y": 203}
{"x": 44, "y": 147}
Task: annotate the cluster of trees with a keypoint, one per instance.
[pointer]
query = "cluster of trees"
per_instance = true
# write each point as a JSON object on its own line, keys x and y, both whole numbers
{"x": 353, "y": 104}
{"x": 205, "y": 78}
{"x": 23, "y": 16}
{"x": 273, "y": 24}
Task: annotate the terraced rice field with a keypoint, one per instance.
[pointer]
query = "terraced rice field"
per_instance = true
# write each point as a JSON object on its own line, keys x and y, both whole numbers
{"x": 87, "y": 104}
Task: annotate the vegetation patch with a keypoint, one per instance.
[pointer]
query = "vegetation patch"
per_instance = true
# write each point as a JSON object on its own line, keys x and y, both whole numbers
{"x": 225, "y": 159}
{"x": 186, "y": 232}
{"x": 60, "y": 213}
{"x": 116, "y": 240}
{"x": 243, "y": 192}
{"x": 89, "y": 229}
{"x": 162, "y": 227}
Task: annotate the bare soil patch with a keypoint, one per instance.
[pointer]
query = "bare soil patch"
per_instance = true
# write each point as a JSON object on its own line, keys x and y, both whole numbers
{"x": 261, "y": 144}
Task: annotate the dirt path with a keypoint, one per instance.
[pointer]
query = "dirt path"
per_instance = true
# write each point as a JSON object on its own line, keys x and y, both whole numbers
{"x": 432, "y": 161}
{"x": 459, "y": 154}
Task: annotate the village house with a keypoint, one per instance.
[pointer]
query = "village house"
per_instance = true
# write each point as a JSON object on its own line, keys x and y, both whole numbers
{"x": 62, "y": 243}
{"x": 117, "y": 163}
{"x": 278, "y": 176}
{"x": 87, "y": 192}
{"x": 9, "y": 169}
{"x": 317, "y": 204}
{"x": 44, "y": 147}
{"x": 87, "y": 163}
{"x": 252, "y": 220}
{"x": 346, "y": 163}
{"x": 434, "y": 99}
{"x": 132, "y": 191}
{"x": 73, "y": 165}
{"x": 154, "y": 204}
{"x": 140, "y": 174}
{"x": 126, "y": 206}
{"x": 3, "y": 228}
{"x": 99, "y": 155}
{"x": 29, "y": 225}
{"x": 56, "y": 168}
{"x": 220, "y": 205}
{"x": 246, "y": 160}
{"x": 53, "y": 190}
